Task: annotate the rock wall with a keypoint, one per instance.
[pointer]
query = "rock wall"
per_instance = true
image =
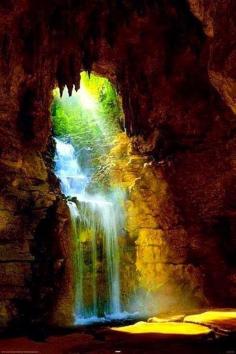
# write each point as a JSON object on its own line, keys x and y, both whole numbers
{"x": 174, "y": 70}
{"x": 158, "y": 272}
{"x": 217, "y": 21}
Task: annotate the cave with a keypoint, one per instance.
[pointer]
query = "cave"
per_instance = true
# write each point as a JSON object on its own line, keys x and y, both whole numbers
{"x": 118, "y": 198}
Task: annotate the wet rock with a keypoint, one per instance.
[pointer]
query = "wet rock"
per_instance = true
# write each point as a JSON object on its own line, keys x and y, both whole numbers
{"x": 220, "y": 320}
{"x": 174, "y": 318}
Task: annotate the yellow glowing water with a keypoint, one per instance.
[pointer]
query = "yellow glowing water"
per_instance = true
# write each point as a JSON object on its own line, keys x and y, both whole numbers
{"x": 212, "y": 317}
{"x": 170, "y": 328}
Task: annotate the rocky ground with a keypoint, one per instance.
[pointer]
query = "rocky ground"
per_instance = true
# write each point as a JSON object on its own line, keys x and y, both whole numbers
{"x": 211, "y": 332}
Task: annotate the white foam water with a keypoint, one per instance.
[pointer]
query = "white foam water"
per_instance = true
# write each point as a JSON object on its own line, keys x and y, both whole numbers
{"x": 102, "y": 217}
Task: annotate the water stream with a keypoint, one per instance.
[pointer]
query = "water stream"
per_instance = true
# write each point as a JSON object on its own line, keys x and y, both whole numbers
{"x": 96, "y": 223}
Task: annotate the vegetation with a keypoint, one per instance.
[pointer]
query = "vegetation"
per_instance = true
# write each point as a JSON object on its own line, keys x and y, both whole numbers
{"x": 90, "y": 119}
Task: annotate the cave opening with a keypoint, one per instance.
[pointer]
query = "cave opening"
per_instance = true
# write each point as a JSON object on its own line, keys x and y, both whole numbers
{"x": 87, "y": 125}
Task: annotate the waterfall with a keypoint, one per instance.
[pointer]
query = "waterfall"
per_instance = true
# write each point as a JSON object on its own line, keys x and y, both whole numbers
{"x": 96, "y": 224}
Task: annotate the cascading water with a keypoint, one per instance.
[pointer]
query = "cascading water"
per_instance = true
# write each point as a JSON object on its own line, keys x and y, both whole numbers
{"x": 96, "y": 224}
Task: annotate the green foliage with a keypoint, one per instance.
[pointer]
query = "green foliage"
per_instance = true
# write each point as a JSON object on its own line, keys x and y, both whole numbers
{"x": 90, "y": 119}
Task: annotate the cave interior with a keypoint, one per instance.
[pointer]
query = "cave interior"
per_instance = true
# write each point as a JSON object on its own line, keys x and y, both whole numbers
{"x": 117, "y": 173}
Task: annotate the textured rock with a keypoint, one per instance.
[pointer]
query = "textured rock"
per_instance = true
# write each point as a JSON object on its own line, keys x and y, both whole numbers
{"x": 175, "y": 72}
{"x": 157, "y": 274}
{"x": 216, "y": 17}
{"x": 218, "y": 320}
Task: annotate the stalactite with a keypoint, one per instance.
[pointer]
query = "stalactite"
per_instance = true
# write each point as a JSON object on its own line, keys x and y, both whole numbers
{"x": 77, "y": 69}
{"x": 87, "y": 58}
{"x": 69, "y": 70}
{"x": 60, "y": 75}
{"x": 77, "y": 84}
{"x": 124, "y": 88}
{"x": 72, "y": 72}
{"x": 70, "y": 87}
{"x": 86, "y": 61}
{"x": 61, "y": 88}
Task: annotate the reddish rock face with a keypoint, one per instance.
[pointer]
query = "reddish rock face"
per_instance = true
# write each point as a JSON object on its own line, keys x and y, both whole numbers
{"x": 216, "y": 18}
{"x": 173, "y": 63}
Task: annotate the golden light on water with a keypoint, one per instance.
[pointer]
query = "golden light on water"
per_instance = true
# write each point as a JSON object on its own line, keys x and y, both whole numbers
{"x": 168, "y": 328}
{"x": 213, "y": 317}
